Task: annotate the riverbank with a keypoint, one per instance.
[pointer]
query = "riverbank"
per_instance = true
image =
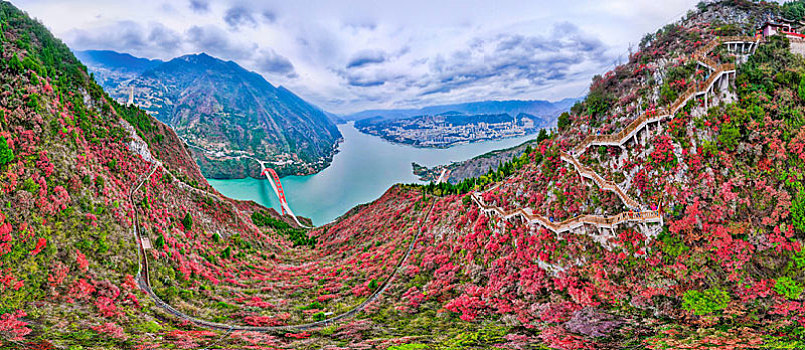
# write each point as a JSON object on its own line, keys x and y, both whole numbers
{"x": 365, "y": 167}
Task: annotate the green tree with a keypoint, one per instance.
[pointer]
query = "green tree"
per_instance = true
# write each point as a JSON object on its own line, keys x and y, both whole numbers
{"x": 787, "y": 287}
{"x": 563, "y": 122}
{"x": 160, "y": 242}
{"x": 798, "y": 208}
{"x": 794, "y": 10}
{"x": 264, "y": 219}
{"x": 798, "y": 259}
{"x": 708, "y": 301}
{"x": 543, "y": 135}
{"x": 672, "y": 246}
{"x": 801, "y": 88}
{"x": 597, "y": 101}
{"x": 667, "y": 94}
{"x": 187, "y": 222}
{"x": 730, "y": 135}
{"x": 226, "y": 253}
{"x": 6, "y": 154}
{"x": 15, "y": 64}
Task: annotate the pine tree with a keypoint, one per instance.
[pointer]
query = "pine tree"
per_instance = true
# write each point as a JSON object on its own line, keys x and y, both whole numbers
{"x": 564, "y": 121}
{"x": 187, "y": 222}
{"x": 6, "y": 154}
{"x": 160, "y": 242}
{"x": 798, "y": 208}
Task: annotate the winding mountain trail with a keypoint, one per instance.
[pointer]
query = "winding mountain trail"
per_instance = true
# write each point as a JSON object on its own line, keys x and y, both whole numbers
{"x": 143, "y": 280}
{"x": 637, "y": 212}
{"x": 656, "y": 116}
{"x": 609, "y": 222}
{"x": 600, "y": 181}
{"x": 618, "y": 139}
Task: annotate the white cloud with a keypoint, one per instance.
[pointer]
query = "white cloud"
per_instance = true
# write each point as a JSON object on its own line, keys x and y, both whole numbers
{"x": 347, "y": 56}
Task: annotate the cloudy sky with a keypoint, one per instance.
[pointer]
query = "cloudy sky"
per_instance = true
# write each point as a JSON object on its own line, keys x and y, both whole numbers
{"x": 347, "y": 56}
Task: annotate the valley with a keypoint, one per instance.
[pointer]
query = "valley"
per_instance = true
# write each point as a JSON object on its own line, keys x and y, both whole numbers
{"x": 326, "y": 195}
{"x": 664, "y": 210}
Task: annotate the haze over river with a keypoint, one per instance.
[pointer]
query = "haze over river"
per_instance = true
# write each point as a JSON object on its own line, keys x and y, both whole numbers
{"x": 365, "y": 167}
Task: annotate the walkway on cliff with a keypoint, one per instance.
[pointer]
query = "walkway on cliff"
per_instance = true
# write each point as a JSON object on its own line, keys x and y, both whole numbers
{"x": 637, "y": 213}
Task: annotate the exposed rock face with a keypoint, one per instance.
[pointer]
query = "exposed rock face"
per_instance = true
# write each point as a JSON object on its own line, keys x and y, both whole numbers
{"x": 137, "y": 145}
{"x": 592, "y": 323}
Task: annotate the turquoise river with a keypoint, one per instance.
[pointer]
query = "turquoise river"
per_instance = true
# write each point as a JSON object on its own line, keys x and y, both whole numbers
{"x": 365, "y": 167}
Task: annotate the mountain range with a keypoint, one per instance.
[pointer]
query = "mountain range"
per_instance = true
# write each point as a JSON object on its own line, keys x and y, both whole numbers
{"x": 115, "y": 62}
{"x": 222, "y": 111}
{"x": 545, "y": 109}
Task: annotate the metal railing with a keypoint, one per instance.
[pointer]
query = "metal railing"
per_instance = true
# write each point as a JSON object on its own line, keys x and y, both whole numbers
{"x": 569, "y": 224}
{"x": 600, "y": 181}
{"x": 662, "y": 113}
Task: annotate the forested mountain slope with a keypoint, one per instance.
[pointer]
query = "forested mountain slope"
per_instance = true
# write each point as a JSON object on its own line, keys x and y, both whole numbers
{"x": 223, "y": 111}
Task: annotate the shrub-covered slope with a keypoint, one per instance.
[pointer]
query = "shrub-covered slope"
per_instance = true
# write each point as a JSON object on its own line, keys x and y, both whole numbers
{"x": 724, "y": 270}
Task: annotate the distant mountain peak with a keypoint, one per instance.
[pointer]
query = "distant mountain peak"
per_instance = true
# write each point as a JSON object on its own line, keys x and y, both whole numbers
{"x": 542, "y": 108}
{"x": 220, "y": 106}
{"x": 201, "y": 56}
{"x": 114, "y": 60}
